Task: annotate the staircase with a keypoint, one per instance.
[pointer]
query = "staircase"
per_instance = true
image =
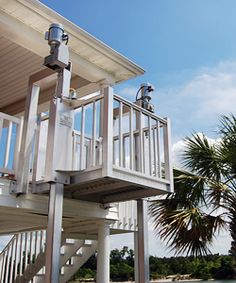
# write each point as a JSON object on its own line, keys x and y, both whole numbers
{"x": 23, "y": 258}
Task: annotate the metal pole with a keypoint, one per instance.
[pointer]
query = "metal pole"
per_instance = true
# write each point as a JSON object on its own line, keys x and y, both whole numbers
{"x": 53, "y": 237}
{"x": 103, "y": 259}
{"x": 141, "y": 244}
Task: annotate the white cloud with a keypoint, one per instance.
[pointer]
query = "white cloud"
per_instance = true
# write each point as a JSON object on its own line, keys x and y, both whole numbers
{"x": 214, "y": 93}
{"x": 179, "y": 146}
{"x": 177, "y": 150}
{"x": 208, "y": 93}
{"x": 197, "y": 104}
{"x": 129, "y": 92}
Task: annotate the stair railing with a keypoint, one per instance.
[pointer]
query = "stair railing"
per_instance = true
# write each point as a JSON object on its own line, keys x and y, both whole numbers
{"x": 21, "y": 251}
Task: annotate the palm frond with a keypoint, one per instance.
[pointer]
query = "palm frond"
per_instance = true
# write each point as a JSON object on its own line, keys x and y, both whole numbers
{"x": 189, "y": 188}
{"x": 227, "y": 127}
{"x": 204, "y": 200}
{"x": 218, "y": 194}
{"x": 184, "y": 230}
{"x": 227, "y": 149}
{"x": 202, "y": 157}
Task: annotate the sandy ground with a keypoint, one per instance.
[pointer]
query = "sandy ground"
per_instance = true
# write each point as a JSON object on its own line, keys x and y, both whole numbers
{"x": 156, "y": 281}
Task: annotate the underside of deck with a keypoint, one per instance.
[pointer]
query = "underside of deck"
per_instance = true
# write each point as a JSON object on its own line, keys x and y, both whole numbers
{"x": 107, "y": 190}
{"x": 80, "y": 218}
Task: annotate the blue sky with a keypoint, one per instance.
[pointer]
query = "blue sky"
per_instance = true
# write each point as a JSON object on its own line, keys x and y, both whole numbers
{"x": 188, "y": 49}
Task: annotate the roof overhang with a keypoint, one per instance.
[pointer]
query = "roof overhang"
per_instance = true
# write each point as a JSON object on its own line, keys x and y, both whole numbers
{"x": 25, "y": 21}
{"x": 23, "y": 48}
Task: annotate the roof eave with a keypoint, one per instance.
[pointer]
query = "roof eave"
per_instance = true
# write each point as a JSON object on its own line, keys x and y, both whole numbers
{"x": 132, "y": 68}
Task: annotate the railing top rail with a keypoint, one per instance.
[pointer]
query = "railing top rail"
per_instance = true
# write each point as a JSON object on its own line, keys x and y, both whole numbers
{"x": 84, "y": 102}
{"x": 10, "y": 118}
{"x": 125, "y": 101}
{"x": 86, "y": 136}
{"x": 140, "y": 109}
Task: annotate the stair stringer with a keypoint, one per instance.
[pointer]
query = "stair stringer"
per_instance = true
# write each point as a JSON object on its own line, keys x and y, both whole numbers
{"x": 31, "y": 271}
{"x": 78, "y": 260}
{"x": 70, "y": 249}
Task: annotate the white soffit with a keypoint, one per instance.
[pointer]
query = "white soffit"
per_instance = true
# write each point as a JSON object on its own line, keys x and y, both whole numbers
{"x": 25, "y": 21}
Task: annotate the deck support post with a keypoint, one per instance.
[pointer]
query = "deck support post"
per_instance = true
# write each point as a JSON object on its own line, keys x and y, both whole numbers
{"x": 103, "y": 259}
{"x": 53, "y": 237}
{"x": 141, "y": 244}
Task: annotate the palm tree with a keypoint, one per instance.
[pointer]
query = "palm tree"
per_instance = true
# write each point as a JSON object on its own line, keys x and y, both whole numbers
{"x": 204, "y": 200}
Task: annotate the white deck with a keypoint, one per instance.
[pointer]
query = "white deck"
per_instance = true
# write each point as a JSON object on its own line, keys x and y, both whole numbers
{"x": 119, "y": 151}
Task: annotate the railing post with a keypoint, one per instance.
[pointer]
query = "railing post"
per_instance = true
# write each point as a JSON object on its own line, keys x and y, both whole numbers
{"x": 16, "y": 257}
{"x": 8, "y": 145}
{"x": 21, "y": 255}
{"x": 167, "y": 154}
{"x": 150, "y": 143}
{"x": 131, "y": 126}
{"x": 53, "y": 237}
{"x": 36, "y": 152}
{"x": 93, "y": 155}
{"x": 3, "y": 269}
{"x": 158, "y": 149}
{"x": 12, "y": 259}
{"x": 82, "y": 142}
{"x": 141, "y": 244}
{"x": 107, "y": 143}
{"x": 18, "y": 144}
{"x": 7, "y": 264}
{"x": 121, "y": 147}
{"x": 140, "y": 156}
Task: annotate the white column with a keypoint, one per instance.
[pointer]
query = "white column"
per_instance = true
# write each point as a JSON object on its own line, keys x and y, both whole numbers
{"x": 29, "y": 126}
{"x": 103, "y": 258}
{"x": 53, "y": 236}
{"x": 141, "y": 244}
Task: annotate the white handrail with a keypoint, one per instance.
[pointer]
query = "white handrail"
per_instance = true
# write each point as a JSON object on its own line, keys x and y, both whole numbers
{"x": 21, "y": 251}
{"x": 139, "y": 137}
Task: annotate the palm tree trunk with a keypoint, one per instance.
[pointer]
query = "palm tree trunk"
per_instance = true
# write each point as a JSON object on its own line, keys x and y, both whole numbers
{"x": 232, "y": 228}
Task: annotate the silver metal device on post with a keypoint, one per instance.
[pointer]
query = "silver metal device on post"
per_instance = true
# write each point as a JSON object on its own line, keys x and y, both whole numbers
{"x": 145, "y": 99}
{"x": 60, "y": 128}
{"x": 59, "y": 53}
